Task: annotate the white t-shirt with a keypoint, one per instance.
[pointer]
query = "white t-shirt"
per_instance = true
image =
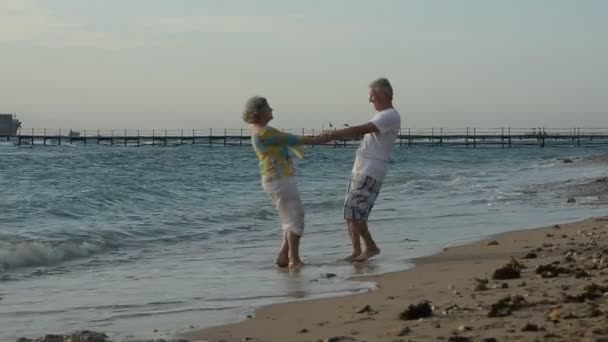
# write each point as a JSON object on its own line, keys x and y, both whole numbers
{"x": 376, "y": 149}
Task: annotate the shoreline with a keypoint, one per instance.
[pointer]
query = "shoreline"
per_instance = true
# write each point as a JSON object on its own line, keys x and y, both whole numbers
{"x": 459, "y": 302}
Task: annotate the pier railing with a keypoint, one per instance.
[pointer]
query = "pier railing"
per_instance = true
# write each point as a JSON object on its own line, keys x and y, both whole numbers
{"x": 467, "y": 137}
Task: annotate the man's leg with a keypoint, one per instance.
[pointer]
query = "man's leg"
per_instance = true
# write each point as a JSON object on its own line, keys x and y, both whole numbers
{"x": 371, "y": 249}
{"x": 282, "y": 259}
{"x": 355, "y": 239}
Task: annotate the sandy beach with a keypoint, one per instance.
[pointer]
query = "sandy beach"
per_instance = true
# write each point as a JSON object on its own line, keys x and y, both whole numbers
{"x": 548, "y": 283}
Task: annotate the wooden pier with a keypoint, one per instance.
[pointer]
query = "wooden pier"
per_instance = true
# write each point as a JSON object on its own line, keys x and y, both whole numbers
{"x": 408, "y": 137}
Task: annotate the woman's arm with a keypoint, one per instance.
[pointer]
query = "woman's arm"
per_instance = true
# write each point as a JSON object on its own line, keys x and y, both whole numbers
{"x": 286, "y": 139}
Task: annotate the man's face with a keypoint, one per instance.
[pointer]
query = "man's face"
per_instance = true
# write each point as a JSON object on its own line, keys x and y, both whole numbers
{"x": 379, "y": 99}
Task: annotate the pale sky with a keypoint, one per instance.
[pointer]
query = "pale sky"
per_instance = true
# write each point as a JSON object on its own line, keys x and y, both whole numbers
{"x": 89, "y": 64}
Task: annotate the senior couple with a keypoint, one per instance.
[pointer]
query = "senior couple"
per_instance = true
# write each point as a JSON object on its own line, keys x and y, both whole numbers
{"x": 274, "y": 149}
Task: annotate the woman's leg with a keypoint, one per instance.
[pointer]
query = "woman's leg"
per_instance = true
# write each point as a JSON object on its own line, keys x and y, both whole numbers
{"x": 283, "y": 257}
{"x": 293, "y": 240}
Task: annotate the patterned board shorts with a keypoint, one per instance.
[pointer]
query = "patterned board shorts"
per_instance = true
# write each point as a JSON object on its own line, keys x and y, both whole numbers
{"x": 360, "y": 197}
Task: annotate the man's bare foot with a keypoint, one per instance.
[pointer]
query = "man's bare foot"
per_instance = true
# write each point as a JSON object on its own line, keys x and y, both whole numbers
{"x": 353, "y": 256}
{"x": 367, "y": 255}
{"x": 296, "y": 265}
{"x": 282, "y": 260}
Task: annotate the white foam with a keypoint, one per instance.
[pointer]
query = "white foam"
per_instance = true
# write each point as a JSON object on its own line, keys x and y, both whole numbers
{"x": 38, "y": 253}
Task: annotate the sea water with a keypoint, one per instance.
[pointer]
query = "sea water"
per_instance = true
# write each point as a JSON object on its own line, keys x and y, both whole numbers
{"x": 133, "y": 240}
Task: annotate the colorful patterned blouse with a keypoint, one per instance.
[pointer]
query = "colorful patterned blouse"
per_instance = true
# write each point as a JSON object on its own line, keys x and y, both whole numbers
{"x": 272, "y": 148}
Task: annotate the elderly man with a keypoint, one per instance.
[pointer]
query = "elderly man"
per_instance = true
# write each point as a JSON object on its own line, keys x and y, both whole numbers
{"x": 370, "y": 167}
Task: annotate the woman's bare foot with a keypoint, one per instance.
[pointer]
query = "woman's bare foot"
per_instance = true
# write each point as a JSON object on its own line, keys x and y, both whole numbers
{"x": 369, "y": 253}
{"x": 353, "y": 256}
{"x": 282, "y": 260}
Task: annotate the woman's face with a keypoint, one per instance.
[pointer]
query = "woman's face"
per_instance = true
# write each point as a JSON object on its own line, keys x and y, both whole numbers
{"x": 267, "y": 117}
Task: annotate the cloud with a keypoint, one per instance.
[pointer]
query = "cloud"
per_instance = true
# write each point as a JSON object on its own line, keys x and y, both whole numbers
{"x": 26, "y": 22}
{"x": 239, "y": 24}
{"x": 22, "y": 20}
{"x": 297, "y": 28}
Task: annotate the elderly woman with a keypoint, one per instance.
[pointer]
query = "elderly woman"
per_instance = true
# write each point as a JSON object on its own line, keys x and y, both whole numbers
{"x": 273, "y": 150}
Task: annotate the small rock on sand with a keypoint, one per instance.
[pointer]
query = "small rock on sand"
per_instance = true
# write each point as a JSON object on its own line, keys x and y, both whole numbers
{"x": 464, "y": 328}
{"x": 508, "y": 271}
{"x": 595, "y": 339}
{"x": 417, "y": 311}
{"x": 571, "y": 200}
{"x": 555, "y": 314}
{"x": 493, "y": 243}
{"x": 600, "y": 331}
{"x": 83, "y": 336}
{"x": 51, "y": 338}
{"x": 339, "y": 339}
{"x": 481, "y": 285}
{"x": 456, "y": 338}
{"x": 529, "y": 327}
{"x": 550, "y": 270}
{"x": 365, "y": 309}
{"x": 590, "y": 292}
{"x": 506, "y": 306}
{"x": 401, "y": 331}
{"x": 531, "y": 255}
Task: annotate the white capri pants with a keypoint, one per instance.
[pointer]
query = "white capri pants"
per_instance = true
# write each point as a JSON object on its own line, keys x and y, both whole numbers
{"x": 285, "y": 196}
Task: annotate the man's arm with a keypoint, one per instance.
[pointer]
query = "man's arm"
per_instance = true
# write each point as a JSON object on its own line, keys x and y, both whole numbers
{"x": 352, "y": 132}
{"x": 286, "y": 139}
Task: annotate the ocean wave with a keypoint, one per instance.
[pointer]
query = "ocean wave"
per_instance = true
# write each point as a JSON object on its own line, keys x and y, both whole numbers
{"x": 325, "y": 204}
{"x": 162, "y": 312}
{"x": 7, "y": 144}
{"x": 14, "y": 255}
{"x": 235, "y": 229}
{"x": 548, "y": 163}
{"x": 433, "y": 184}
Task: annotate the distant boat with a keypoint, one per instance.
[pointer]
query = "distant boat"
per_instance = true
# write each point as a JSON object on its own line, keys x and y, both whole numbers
{"x": 9, "y": 125}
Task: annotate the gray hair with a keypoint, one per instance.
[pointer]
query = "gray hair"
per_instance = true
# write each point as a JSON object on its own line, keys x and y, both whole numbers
{"x": 254, "y": 107}
{"x": 384, "y": 85}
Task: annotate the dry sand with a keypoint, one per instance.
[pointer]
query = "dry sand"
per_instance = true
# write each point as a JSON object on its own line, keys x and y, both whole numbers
{"x": 563, "y": 301}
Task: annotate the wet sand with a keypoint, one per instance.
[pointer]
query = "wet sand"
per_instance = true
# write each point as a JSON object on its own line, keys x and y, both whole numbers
{"x": 547, "y": 284}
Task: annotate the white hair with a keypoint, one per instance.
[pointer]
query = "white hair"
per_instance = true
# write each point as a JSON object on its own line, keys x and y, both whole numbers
{"x": 254, "y": 107}
{"x": 384, "y": 85}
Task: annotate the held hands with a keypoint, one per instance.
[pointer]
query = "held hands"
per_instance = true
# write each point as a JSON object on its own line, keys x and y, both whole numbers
{"x": 323, "y": 138}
